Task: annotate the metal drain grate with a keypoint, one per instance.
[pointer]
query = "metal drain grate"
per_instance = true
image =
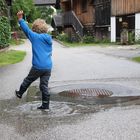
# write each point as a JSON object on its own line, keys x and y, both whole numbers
{"x": 88, "y": 92}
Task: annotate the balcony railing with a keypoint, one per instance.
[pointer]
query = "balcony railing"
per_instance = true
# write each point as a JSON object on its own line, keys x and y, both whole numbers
{"x": 70, "y": 18}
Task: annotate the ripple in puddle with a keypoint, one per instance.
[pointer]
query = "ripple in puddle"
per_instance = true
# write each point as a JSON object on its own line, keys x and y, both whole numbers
{"x": 57, "y": 109}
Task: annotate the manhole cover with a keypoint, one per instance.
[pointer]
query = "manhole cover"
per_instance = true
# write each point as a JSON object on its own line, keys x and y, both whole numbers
{"x": 87, "y": 92}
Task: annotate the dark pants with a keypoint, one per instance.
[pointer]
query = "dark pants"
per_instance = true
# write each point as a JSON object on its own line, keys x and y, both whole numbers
{"x": 34, "y": 74}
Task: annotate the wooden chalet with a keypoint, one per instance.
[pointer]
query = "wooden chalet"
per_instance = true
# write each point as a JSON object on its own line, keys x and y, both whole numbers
{"x": 86, "y": 17}
{"x": 77, "y": 17}
{"x": 125, "y": 11}
{"x": 100, "y": 18}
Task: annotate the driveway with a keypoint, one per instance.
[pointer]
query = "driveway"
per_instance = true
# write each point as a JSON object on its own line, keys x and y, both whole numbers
{"x": 76, "y": 118}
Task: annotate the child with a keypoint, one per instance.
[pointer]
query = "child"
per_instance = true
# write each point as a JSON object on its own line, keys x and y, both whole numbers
{"x": 41, "y": 59}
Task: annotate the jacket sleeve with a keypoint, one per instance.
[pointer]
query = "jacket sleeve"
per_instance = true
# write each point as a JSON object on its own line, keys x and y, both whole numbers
{"x": 28, "y": 32}
{"x": 48, "y": 39}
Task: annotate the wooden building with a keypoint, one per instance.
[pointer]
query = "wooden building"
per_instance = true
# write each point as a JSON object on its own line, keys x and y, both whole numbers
{"x": 102, "y": 18}
{"x": 85, "y": 17}
{"x": 124, "y": 11}
{"x": 77, "y": 18}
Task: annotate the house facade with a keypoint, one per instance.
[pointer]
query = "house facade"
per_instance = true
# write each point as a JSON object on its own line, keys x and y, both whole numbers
{"x": 84, "y": 11}
{"x": 86, "y": 17}
{"x": 100, "y": 18}
{"x": 128, "y": 12}
{"x": 76, "y": 19}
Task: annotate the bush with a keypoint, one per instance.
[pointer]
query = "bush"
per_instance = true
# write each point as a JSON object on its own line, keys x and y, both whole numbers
{"x": 138, "y": 41}
{"x": 5, "y": 32}
{"x": 105, "y": 40}
{"x": 131, "y": 38}
{"x": 88, "y": 39}
{"x": 63, "y": 37}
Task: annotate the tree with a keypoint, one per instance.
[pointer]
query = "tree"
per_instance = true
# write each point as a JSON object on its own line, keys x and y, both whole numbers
{"x": 46, "y": 13}
{"x": 27, "y": 6}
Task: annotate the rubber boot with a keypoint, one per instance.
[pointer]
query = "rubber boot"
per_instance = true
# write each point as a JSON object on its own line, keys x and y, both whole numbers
{"x": 20, "y": 92}
{"x": 45, "y": 103}
{"x": 17, "y": 93}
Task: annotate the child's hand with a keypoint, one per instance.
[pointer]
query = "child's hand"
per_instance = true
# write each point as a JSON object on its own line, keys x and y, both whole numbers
{"x": 20, "y": 15}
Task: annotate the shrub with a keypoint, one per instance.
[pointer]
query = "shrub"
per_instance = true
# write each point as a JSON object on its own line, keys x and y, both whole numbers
{"x": 88, "y": 39}
{"x": 63, "y": 37}
{"x": 138, "y": 41}
{"x": 5, "y": 34}
{"x": 105, "y": 40}
{"x": 131, "y": 38}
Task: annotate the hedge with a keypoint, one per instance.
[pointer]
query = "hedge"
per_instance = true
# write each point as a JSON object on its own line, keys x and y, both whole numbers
{"x": 5, "y": 32}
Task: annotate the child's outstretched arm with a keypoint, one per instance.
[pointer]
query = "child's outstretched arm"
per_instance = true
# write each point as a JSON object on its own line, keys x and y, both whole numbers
{"x": 28, "y": 32}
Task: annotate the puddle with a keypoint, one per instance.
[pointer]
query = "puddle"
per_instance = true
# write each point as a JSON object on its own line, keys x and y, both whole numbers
{"x": 68, "y": 103}
{"x": 65, "y": 104}
{"x": 57, "y": 109}
{"x": 64, "y": 108}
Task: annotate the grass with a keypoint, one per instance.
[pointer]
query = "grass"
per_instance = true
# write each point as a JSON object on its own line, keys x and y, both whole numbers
{"x": 99, "y": 44}
{"x": 137, "y": 59}
{"x": 11, "y": 57}
{"x": 81, "y": 44}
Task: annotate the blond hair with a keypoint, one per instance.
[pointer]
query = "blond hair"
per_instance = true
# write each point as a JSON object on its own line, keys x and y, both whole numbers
{"x": 40, "y": 26}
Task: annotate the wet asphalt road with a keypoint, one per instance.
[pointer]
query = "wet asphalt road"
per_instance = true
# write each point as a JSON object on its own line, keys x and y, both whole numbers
{"x": 74, "y": 119}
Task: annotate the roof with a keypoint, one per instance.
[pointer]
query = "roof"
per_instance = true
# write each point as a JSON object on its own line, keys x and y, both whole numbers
{"x": 45, "y": 2}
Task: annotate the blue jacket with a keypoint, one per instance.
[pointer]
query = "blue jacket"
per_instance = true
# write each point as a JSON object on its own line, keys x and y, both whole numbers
{"x": 41, "y": 47}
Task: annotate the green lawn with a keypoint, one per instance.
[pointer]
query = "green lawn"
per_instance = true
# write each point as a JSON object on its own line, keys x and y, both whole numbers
{"x": 11, "y": 57}
{"x": 86, "y": 44}
{"x": 137, "y": 59}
